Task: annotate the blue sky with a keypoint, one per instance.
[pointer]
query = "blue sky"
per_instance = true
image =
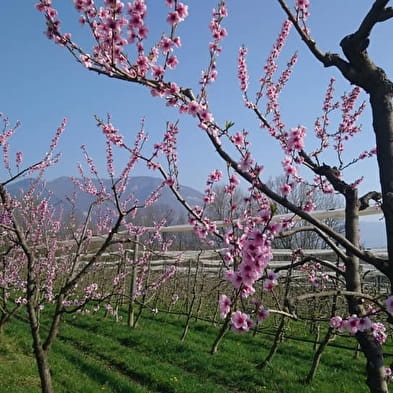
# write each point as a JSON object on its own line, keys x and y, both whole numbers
{"x": 41, "y": 83}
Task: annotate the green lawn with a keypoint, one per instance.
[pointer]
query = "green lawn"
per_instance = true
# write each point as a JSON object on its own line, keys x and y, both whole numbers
{"x": 94, "y": 354}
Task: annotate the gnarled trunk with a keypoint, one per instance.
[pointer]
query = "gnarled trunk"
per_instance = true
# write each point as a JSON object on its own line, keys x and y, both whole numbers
{"x": 41, "y": 354}
{"x": 372, "y": 350}
{"x": 381, "y": 104}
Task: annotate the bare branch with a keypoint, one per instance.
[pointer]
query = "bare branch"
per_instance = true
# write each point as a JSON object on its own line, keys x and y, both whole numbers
{"x": 365, "y": 199}
{"x": 327, "y": 59}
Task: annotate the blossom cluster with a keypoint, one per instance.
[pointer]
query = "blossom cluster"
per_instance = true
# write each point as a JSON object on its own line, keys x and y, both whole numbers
{"x": 355, "y": 324}
{"x": 271, "y": 66}
{"x": 389, "y": 374}
{"x": 218, "y": 32}
{"x": 242, "y": 72}
{"x": 302, "y": 8}
{"x": 114, "y": 27}
{"x": 389, "y": 304}
{"x": 315, "y": 274}
{"x": 348, "y": 126}
{"x": 255, "y": 253}
{"x": 241, "y": 322}
{"x": 111, "y": 133}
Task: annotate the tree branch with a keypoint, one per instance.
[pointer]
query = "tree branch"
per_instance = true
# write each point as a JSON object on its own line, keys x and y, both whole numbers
{"x": 327, "y": 59}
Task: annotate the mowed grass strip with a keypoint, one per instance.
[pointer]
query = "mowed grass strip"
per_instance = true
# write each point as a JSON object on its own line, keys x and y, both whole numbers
{"x": 234, "y": 365}
{"x": 73, "y": 371}
{"x": 144, "y": 359}
{"x": 96, "y": 354}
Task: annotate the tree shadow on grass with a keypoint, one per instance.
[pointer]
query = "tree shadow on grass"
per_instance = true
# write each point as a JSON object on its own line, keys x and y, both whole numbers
{"x": 98, "y": 374}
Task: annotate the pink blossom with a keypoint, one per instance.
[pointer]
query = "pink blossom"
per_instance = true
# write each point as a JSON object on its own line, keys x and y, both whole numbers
{"x": 166, "y": 45}
{"x": 91, "y": 290}
{"x": 296, "y": 139}
{"x": 365, "y": 323}
{"x": 158, "y": 72}
{"x": 246, "y": 162}
{"x": 238, "y": 139}
{"x": 209, "y": 197}
{"x": 172, "y": 62}
{"x": 286, "y": 189}
{"x": 234, "y": 277}
{"x": 143, "y": 65}
{"x": 262, "y": 314}
{"x": 215, "y": 176}
{"x": 176, "y": 41}
{"x": 336, "y": 322}
{"x": 247, "y": 290}
{"x": 193, "y": 108}
{"x": 182, "y": 10}
{"x": 20, "y": 300}
{"x": 271, "y": 66}
{"x": 378, "y": 331}
{"x": 224, "y": 305}
{"x": 19, "y": 158}
{"x": 268, "y": 285}
{"x": 205, "y": 115}
{"x": 290, "y": 170}
{"x": 242, "y": 73}
{"x": 275, "y": 228}
{"x": 86, "y": 61}
{"x": 273, "y": 276}
{"x": 170, "y": 182}
{"x": 302, "y": 8}
{"x": 143, "y": 32}
{"x": 389, "y": 304}
{"x": 228, "y": 258}
{"x": 234, "y": 180}
{"x": 112, "y": 134}
{"x": 249, "y": 273}
{"x": 309, "y": 206}
{"x": 240, "y": 322}
{"x": 173, "y": 18}
{"x": 302, "y": 5}
{"x": 172, "y": 89}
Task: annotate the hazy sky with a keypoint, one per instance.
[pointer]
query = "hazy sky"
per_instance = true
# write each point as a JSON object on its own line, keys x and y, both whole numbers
{"x": 41, "y": 83}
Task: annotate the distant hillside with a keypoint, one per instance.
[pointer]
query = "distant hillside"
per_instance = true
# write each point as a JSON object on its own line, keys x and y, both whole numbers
{"x": 372, "y": 232}
{"x": 140, "y": 187}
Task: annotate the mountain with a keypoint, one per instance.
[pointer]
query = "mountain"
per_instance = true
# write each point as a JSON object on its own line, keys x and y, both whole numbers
{"x": 372, "y": 231}
{"x": 139, "y": 187}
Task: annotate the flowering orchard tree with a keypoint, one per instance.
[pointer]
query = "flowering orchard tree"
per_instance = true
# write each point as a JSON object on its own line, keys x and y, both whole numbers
{"x": 121, "y": 51}
{"x": 52, "y": 265}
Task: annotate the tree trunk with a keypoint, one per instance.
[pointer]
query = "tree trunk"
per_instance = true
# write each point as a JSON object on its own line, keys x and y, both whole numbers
{"x": 372, "y": 350}
{"x": 55, "y": 325}
{"x": 277, "y": 340}
{"x": 220, "y": 336}
{"x": 131, "y": 301}
{"x": 381, "y": 104}
{"x": 41, "y": 355}
{"x": 318, "y": 355}
{"x": 376, "y": 378}
{"x": 43, "y": 369}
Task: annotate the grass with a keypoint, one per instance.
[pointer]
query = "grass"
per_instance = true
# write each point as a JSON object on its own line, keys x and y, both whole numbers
{"x": 94, "y": 354}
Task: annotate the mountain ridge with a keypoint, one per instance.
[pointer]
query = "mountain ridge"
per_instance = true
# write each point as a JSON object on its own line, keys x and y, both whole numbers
{"x": 62, "y": 188}
{"x": 372, "y": 232}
